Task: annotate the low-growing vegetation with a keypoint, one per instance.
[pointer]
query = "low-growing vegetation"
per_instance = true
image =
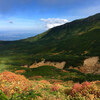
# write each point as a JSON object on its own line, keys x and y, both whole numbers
{"x": 72, "y": 42}
{"x": 46, "y": 83}
{"x": 17, "y": 87}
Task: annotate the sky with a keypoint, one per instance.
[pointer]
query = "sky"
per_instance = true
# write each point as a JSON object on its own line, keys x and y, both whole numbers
{"x": 24, "y": 18}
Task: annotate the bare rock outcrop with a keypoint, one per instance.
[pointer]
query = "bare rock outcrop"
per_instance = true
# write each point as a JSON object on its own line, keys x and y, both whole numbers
{"x": 91, "y": 65}
{"x": 59, "y": 65}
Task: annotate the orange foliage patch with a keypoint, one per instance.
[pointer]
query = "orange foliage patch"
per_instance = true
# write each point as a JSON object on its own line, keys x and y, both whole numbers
{"x": 55, "y": 88}
{"x": 20, "y": 71}
{"x": 12, "y": 77}
{"x": 85, "y": 89}
{"x": 35, "y": 77}
{"x": 11, "y": 83}
{"x": 44, "y": 81}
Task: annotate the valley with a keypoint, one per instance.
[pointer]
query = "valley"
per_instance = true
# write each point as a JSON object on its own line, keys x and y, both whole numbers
{"x": 62, "y": 63}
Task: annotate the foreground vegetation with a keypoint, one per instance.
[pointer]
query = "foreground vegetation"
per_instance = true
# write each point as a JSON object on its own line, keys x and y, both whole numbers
{"x": 17, "y": 87}
{"x": 46, "y": 83}
{"x": 72, "y": 42}
{"x": 50, "y": 72}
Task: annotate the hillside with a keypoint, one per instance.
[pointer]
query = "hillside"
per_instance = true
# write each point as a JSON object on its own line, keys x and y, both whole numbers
{"x": 38, "y": 88}
{"x": 62, "y": 63}
{"x": 71, "y": 42}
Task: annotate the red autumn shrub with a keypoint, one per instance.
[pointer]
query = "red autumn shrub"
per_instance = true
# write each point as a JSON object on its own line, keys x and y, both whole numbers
{"x": 86, "y": 84}
{"x": 55, "y": 88}
{"x": 12, "y": 77}
{"x": 79, "y": 87}
{"x": 76, "y": 88}
{"x": 44, "y": 81}
{"x": 84, "y": 89}
{"x": 11, "y": 83}
{"x": 20, "y": 71}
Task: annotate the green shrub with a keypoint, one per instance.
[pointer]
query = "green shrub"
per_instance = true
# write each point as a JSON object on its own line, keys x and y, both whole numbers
{"x": 3, "y": 96}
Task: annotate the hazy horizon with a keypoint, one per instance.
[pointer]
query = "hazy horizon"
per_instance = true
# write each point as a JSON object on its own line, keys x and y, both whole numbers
{"x": 23, "y": 18}
{"x": 17, "y": 35}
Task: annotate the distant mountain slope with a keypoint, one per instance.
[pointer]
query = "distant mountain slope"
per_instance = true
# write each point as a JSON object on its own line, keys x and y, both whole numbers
{"x": 71, "y": 42}
{"x": 76, "y": 27}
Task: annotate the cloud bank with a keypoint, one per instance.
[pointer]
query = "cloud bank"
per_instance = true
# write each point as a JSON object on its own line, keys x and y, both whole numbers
{"x": 53, "y": 22}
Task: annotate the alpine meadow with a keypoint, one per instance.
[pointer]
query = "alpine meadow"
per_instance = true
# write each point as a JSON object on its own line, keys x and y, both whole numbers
{"x": 62, "y": 63}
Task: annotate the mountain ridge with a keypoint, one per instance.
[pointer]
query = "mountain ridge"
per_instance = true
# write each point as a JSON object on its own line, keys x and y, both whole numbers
{"x": 72, "y": 42}
{"x": 69, "y": 24}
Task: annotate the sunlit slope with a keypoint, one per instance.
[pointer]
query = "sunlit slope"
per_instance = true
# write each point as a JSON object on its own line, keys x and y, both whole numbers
{"x": 79, "y": 38}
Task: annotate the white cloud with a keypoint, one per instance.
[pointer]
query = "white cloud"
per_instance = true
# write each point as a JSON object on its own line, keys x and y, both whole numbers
{"x": 52, "y": 22}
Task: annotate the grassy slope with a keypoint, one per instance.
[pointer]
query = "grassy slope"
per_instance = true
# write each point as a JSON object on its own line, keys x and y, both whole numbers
{"x": 52, "y": 85}
{"x": 51, "y": 73}
{"x": 71, "y": 48}
{"x": 65, "y": 40}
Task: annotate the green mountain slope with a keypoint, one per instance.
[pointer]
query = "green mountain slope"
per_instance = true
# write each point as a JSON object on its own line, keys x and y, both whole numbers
{"x": 69, "y": 29}
{"x": 72, "y": 42}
